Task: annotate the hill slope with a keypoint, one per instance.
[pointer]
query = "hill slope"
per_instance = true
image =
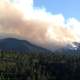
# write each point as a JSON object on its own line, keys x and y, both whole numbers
{"x": 20, "y": 46}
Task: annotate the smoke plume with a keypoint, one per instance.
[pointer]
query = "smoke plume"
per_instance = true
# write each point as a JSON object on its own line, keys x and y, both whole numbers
{"x": 20, "y": 17}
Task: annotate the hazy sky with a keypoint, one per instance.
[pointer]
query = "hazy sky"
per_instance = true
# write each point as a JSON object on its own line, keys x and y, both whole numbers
{"x": 69, "y": 8}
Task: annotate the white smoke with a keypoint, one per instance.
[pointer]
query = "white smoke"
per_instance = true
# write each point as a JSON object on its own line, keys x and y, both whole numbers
{"x": 19, "y": 17}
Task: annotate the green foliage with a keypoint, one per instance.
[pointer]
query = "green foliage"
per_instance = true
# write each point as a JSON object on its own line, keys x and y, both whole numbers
{"x": 38, "y": 66}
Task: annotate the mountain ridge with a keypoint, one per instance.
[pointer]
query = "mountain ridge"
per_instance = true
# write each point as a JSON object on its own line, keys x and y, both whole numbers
{"x": 20, "y": 45}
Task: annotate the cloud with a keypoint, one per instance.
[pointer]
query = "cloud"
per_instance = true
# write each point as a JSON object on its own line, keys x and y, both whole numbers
{"x": 19, "y": 17}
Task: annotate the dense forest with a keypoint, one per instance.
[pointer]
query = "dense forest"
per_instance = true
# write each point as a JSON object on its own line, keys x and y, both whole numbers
{"x": 38, "y": 66}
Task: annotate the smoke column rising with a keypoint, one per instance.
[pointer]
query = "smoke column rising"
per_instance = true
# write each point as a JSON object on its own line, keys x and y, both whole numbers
{"x": 19, "y": 17}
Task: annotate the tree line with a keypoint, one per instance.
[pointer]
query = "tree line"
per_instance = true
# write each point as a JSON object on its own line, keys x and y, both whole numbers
{"x": 38, "y": 66}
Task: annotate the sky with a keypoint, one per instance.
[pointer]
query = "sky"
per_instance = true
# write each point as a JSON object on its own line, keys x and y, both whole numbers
{"x": 69, "y": 8}
{"x": 43, "y": 22}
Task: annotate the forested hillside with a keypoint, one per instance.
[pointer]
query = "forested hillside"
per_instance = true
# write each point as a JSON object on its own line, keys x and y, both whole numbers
{"x": 37, "y": 66}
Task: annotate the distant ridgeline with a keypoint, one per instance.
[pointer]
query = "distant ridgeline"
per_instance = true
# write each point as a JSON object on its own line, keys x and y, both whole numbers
{"x": 12, "y": 44}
